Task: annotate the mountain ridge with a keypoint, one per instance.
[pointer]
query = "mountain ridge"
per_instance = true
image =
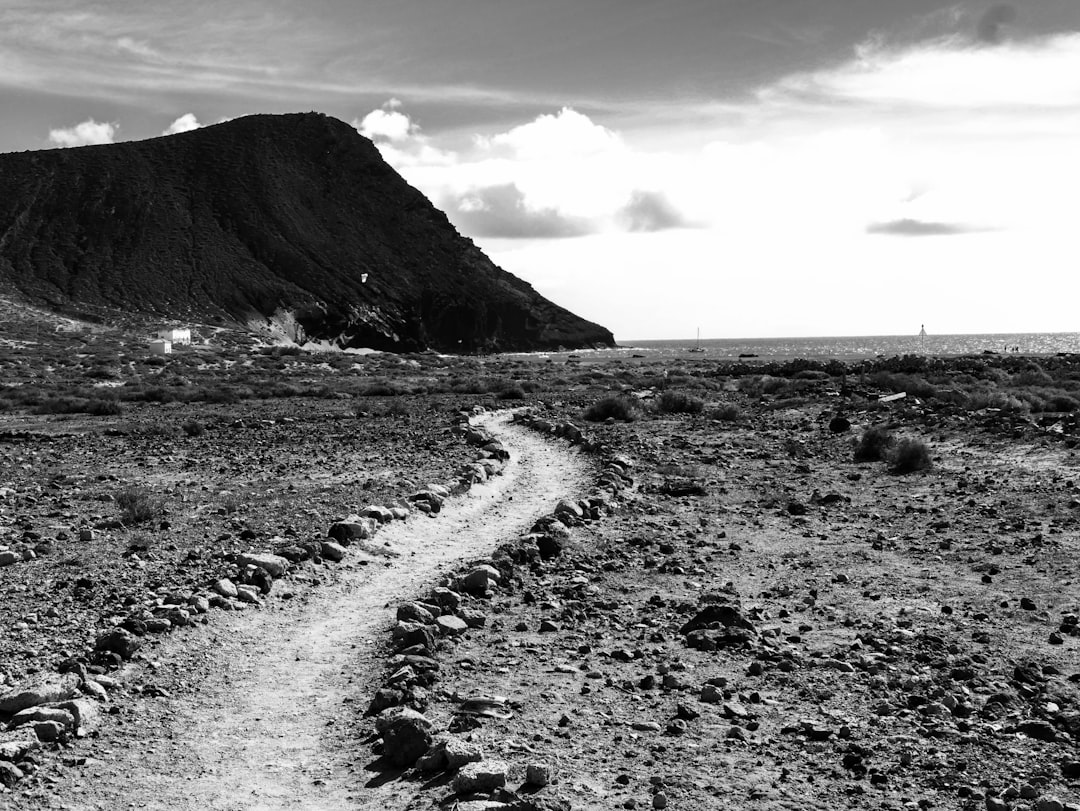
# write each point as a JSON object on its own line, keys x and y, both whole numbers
{"x": 294, "y": 218}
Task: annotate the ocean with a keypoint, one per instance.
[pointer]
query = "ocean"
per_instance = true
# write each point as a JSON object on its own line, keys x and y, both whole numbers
{"x": 868, "y": 346}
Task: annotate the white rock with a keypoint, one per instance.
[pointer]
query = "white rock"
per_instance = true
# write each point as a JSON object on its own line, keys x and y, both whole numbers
{"x": 275, "y": 565}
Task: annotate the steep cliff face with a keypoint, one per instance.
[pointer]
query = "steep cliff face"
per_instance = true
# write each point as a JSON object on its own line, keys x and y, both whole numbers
{"x": 294, "y": 216}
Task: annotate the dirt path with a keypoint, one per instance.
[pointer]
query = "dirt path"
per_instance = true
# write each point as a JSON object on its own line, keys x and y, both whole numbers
{"x": 264, "y": 721}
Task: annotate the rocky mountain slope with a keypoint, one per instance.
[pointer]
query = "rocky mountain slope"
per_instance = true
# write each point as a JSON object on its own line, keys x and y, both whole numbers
{"x": 292, "y": 218}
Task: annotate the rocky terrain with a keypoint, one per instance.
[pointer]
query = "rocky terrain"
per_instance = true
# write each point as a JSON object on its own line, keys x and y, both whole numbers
{"x": 293, "y": 221}
{"x": 727, "y": 611}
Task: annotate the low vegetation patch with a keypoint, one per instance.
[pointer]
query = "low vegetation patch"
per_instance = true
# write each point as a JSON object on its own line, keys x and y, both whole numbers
{"x": 909, "y": 455}
{"x": 614, "y": 407}
{"x": 138, "y": 505}
{"x": 874, "y": 444}
{"x": 679, "y": 402}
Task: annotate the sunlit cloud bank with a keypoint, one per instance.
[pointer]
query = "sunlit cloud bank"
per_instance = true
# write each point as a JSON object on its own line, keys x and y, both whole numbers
{"x": 185, "y": 123}
{"x": 951, "y": 156}
{"x": 85, "y": 133}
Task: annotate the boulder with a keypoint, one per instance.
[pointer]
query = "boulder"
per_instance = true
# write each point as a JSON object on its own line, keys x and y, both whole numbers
{"x": 353, "y": 528}
{"x": 412, "y": 612}
{"x": 49, "y": 731}
{"x": 7, "y": 557}
{"x": 449, "y": 753}
{"x": 332, "y": 551}
{"x": 406, "y": 735}
{"x": 275, "y": 565}
{"x": 225, "y": 587}
{"x": 478, "y": 580}
{"x": 17, "y": 749}
{"x": 484, "y": 775}
{"x": 50, "y": 688}
{"x": 10, "y": 774}
{"x": 726, "y": 615}
{"x": 32, "y": 715}
{"x": 84, "y": 712}
{"x": 381, "y": 514}
{"x": 451, "y": 625}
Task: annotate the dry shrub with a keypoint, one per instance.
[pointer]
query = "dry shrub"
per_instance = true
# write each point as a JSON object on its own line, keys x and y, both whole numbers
{"x": 193, "y": 428}
{"x": 679, "y": 402}
{"x": 728, "y": 412}
{"x": 874, "y": 444}
{"x": 617, "y": 407}
{"x": 909, "y": 455}
{"x": 138, "y": 505}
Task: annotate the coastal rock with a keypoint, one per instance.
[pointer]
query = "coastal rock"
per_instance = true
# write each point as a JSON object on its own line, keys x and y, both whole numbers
{"x": 48, "y": 689}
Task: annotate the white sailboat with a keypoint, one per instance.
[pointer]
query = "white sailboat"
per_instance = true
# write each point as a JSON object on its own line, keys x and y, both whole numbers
{"x": 697, "y": 344}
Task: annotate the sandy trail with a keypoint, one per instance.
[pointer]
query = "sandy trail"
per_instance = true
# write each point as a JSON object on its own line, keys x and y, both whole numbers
{"x": 268, "y": 725}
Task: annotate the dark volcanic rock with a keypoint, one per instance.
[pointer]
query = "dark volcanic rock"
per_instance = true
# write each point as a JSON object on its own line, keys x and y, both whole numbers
{"x": 293, "y": 216}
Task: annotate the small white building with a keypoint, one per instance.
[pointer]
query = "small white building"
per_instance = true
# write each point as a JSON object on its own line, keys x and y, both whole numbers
{"x": 180, "y": 337}
{"x": 160, "y": 347}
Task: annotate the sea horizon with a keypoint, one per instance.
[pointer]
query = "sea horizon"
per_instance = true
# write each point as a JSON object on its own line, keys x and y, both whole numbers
{"x": 862, "y": 346}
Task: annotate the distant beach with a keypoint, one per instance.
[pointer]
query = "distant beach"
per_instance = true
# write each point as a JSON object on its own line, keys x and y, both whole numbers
{"x": 868, "y": 346}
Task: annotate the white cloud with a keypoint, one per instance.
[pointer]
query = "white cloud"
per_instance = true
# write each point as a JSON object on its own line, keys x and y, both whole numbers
{"x": 387, "y": 124}
{"x": 948, "y": 74}
{"x": 565, "y": 134}
{"x": 806, "y": 190}
{"x": 185, "y": 123}
{"x": 85, "y": 133}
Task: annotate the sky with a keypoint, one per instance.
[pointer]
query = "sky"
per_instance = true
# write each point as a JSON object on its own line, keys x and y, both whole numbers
{"x": 746, "y": 168}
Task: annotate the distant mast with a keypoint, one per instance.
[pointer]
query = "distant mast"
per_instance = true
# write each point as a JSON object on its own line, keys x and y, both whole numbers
{"x": 922, "y": 331}
{"x": 697, "y": 343}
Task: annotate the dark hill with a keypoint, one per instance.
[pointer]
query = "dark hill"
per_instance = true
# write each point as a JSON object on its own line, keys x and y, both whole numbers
{"x": 259, "y": 217}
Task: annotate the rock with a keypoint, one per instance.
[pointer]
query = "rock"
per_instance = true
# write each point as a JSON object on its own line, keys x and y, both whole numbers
{"x": 414, "y": 612}
{"x": 85, "y": 714}
{"x": 548, "y": 627}
{"x": 996, "y": 804}
{"x": 1048, "y": 804}
{"x": 839, "y": 425}
{"x": 549, "y": 546}
{"x": 1070, "y": 769}
{"x": 33, "y": 715}
{"x": 225, "y": 587}
{"x": 711, "y": 694}
{"x": 10, "y": 774}
{"x": 406, "y": 735}
{"x": 473, "y": 619}
{"x": 659, "y": 800}
{"x": 247, "y": 594}
{"x": 259, "y": 578}
{"x": 726, "y": 615}
{"x": 567, "y": 507}
{"x": 384, "y": 699}
{"x": 49, "y": 731}
{"x": 332, "y": 551}
{"x": 451, "y": 625}
{"x": 353, "y": 528}
{"x": 53, "y": 687}
{"x": 450, "y": 753}
{"x": 381, "y": 514}
{"x": 1039, "y": 730}
{"x": 537, "y": 774}
{"x": 478, "y": 580}
{"x": 275, "y": 565}
{"x": 485, "y": 775}
{"x": 446, "y": 598}
{"x": 18, "y": 749}
{"x": 8, "y": 557}
{"x": 1027, "y": 604}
